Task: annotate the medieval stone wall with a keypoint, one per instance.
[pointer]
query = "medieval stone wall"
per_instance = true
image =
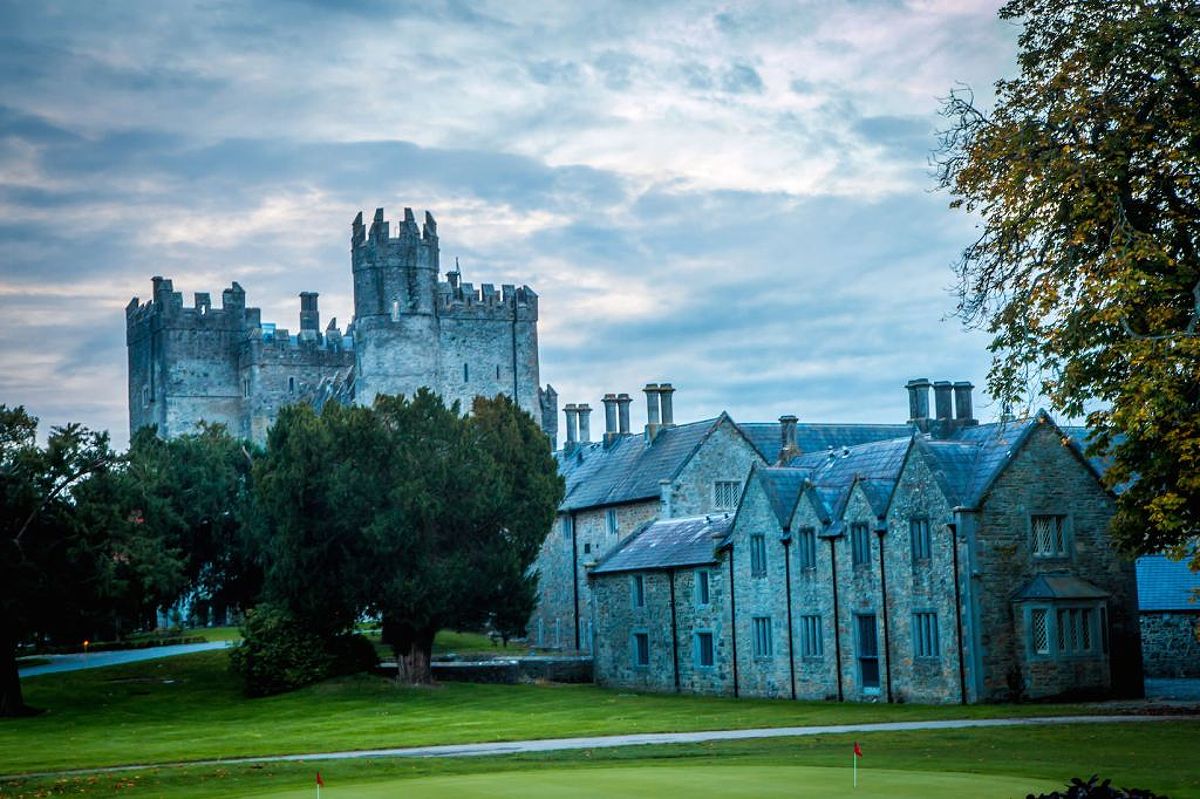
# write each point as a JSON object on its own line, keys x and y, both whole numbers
{"x": 1171, "y": 643}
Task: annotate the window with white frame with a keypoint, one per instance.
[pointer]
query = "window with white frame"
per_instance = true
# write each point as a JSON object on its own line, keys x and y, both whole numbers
{"x": 860, "y": 544}
{"x": 806, "y": 547}
{"x": 641, "y": 649}
{"x": 758, "y": 555}
{"x": 922, "y": 544}
{"x": 704, "y": 649}
{"x": 811, "y": 645}
{"x": 762, "y": 637}
{"x": 1049, "y": 535}
{"x": 925, "y": 635}
{"x": 725, "y": 494}
{"x": 702, "y": 586}
{"x": 610, "y": 521}
{"x": 639, "y": 591}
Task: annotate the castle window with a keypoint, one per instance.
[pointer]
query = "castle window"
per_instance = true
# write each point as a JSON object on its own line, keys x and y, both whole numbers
{"x": 806, "y": 547}
{"x": 639, "y": 591}
{"x": 1049, "y": 536}
{"x": 762, "y": 637}
{"x": 860, "y": 544}
{"x": 1038, "y": 631}
{"x": 245, "y": 387}
{"x": 145, "y": 396}
{"x": 610, "y": 521}
{"x": 587, "y": 549}
{"x": 758, "y": 555}
{"x": 497, "y": 371}
{"x": 925, "y": 635}
{"x": 291, "y": 385}
{"x": 725, "y": 494}
{"x": 704, "y": 650}
{"x": 922, "y": 545}
{"x": 811, "y": 644}
{"x": 395, "y": 310}
{"x": 641, "y": 649}
{"x": 466, "y": 373}
{"x": 702, "y": 586}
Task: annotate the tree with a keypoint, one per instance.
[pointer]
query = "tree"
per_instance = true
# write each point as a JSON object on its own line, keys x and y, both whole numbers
{"x": 73, "y": 560}
{"x": 193, "y": 491}
{"x": 1085, "y": 177}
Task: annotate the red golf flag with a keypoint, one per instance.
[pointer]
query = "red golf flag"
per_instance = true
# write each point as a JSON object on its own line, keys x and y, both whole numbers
{"x": 857, "y": 750}
{"x": 321, "y": 782}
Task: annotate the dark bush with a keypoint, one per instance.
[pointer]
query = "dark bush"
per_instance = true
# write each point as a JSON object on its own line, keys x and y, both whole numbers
{"x": 1078, "y": 789}
{"x": 278, "y": 654}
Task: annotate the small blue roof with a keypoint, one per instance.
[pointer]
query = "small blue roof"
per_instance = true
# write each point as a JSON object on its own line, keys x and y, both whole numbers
{"x": 668, "y": 543}
{"x": 1165, "y": 584}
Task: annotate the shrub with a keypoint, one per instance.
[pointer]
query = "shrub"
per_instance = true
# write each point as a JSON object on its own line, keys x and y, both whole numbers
{"x": 1078, "y": 789}
{"x": 278, "y": 654}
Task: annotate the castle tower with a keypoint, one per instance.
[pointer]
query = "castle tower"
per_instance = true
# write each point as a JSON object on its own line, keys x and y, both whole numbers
{"x": 395, "y": 313}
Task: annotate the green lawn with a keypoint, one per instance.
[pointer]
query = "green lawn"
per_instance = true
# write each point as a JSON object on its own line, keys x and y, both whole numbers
{"x": 1160, "y": 756}
{"x": 190, "y": 708}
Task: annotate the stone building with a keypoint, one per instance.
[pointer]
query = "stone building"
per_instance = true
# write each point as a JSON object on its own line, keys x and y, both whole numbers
{"x": 1169, "y": 611}
{"x": 935, "y": 561}
{"x": 410, "y": 329}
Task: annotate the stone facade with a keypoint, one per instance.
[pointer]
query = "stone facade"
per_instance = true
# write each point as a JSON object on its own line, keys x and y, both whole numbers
{"x": 1171, "y": 643}
{"x": 224, "y": 365}
{"x": 964, "y": 563}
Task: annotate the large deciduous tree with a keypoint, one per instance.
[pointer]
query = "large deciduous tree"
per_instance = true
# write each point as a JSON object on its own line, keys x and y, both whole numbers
{"x": 1085, "y": 176}
{"x": 74, "y": 559}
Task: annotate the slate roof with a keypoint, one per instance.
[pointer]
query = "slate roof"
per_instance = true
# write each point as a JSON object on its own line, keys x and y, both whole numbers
{"x": 819, "y": 437}
{"x": 668, "y": 543}
{"x": 876, "y": 465}
{"x": 782, "y": 485}
{"x": 1165, "y": 584}
{"x": 628, "y": 469}
{"x": 1057, "y": 586}
{"x": 971, "y": 458}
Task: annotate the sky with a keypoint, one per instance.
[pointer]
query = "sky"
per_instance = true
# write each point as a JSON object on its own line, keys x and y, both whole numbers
{"x": 732, "y": 197}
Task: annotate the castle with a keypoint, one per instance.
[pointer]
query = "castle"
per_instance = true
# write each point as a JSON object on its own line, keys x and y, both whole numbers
{"x": 410, "y": 330}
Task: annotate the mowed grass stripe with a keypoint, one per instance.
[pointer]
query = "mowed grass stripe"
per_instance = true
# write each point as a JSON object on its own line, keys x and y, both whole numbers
{"x": 191, "y": 708}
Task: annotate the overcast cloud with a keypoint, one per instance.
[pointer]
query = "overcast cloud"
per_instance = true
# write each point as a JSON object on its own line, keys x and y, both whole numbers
{"x": 731, "y": 197}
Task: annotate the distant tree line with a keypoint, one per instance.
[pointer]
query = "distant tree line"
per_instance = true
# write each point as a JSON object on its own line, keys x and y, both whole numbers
{"x": 408, "y": 512}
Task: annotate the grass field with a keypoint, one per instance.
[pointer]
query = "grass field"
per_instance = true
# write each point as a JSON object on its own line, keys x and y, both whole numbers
{"x": 191, "y": 708}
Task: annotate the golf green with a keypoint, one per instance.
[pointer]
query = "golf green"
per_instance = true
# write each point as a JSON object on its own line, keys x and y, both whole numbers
{"x": 683, "y": 781}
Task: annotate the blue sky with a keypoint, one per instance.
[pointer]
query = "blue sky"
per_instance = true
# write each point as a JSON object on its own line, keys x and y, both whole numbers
{"x": 734, "y": 197}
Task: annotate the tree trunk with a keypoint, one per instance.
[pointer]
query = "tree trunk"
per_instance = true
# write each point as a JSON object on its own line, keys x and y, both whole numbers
{"x": 413, "y": 650}
{"x": 12, "y": 703}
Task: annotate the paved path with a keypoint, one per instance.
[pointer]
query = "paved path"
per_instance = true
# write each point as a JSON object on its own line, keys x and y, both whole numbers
{"x": 96, "y": 660}
{"x": 607, "y": 741}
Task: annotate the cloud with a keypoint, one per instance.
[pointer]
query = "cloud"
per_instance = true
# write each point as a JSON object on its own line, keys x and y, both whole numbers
{"x": 730, "y": 197}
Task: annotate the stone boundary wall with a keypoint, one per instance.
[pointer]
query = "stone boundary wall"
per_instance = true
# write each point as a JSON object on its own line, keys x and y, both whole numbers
{"x": 1170, "y": 646}
{"x": 508, "y": 671}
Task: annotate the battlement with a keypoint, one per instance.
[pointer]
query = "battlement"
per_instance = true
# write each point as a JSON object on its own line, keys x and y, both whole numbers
{"x": 277, "y": 340}
{"x": 458, "y": 299}
{"x": 379, "y": 233}
{"x": 166, "y": 304}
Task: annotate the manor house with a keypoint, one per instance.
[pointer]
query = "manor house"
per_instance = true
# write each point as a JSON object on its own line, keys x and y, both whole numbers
{"x": 410, "y": 330}
{"x": 935, "y": 560}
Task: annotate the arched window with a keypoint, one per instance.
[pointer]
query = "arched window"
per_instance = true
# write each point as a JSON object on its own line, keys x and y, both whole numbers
{"x": 466, "y": 373}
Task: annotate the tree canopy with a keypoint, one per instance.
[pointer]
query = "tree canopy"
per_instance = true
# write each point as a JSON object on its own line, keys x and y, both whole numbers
{"x": 410, "y": 511}
{"x": 1085, "y": 176}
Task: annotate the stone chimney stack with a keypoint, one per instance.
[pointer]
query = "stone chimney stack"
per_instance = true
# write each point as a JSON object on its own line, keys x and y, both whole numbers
{"x": 585, "y": 422}
{"x": 610, "y": 418}
{"x": 666, "y": 405}
{"x": 623, "y": 403}
{"x": 572, "y": 414}
{"x": 942, "y": 390}
{"x": 964, "y": 415}
{"x": 788, "y": 448}
{"x": 652, "y": 417}
{"x": 310, "y": 317}
{"x": 918, "y": 403}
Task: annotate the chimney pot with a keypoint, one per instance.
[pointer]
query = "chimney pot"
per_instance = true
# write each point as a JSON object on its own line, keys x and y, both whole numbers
{"x": 623, "y": 403}
{"x": 610, "y": 417}
{"x": 585, "y": 425}
{"x": 652, "y": 417}
{"x": 666, "y": 405}
{"x": 942, "y": 390}
{"x": 918, "y": 400}
{"x": 963, "y": 412}
{"x": 788, "y": 448}
{"x": 572, "y": 414}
